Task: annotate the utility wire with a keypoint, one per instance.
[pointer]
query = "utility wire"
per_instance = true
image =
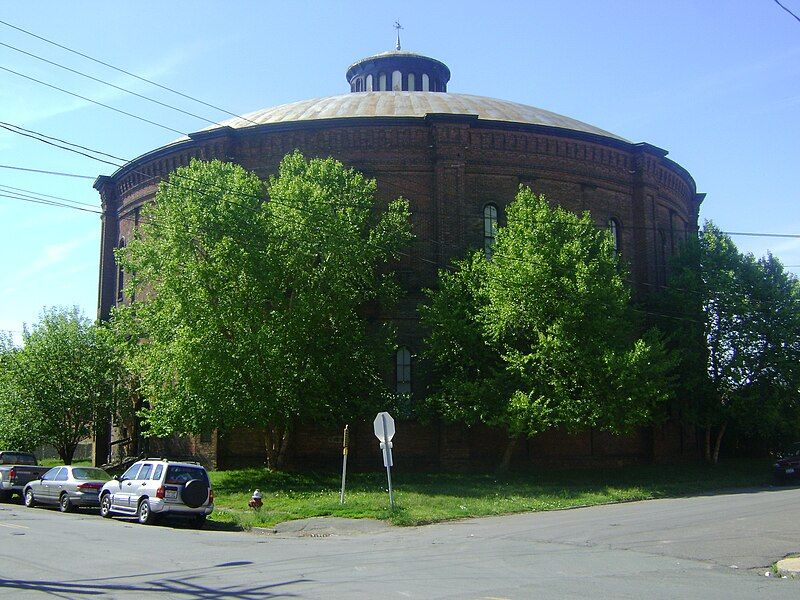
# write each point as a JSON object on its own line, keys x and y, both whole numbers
{"x": 16, "y": 189}
{"x": 110, "y": 66}
{"x": 123, "y": 112}
{"x": 787, "y": 10}
{"x": 33, "y": 134}
{"x": 109, "y": 84}
{"x": 48, "y": 172}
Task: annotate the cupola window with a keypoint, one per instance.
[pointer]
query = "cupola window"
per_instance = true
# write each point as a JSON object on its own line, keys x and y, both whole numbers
{"x": 397, "y": 81}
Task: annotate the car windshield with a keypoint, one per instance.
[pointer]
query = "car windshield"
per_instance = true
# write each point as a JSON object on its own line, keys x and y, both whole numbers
{"x": 17, "y": 458}
{"x": 90, "y": 474}
{"x": 179, "y": 474}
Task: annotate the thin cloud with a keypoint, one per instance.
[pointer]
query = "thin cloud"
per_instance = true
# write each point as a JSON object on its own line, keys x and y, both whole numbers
{"x": 15, "y": 96}
{"x": 52, "y": 255}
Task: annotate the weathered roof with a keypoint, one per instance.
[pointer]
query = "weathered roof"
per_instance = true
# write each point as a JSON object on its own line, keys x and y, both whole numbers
{"x": 411, "y": 104}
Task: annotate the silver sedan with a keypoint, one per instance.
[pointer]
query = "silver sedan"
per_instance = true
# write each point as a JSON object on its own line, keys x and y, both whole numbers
{"x": 67, "y": 486}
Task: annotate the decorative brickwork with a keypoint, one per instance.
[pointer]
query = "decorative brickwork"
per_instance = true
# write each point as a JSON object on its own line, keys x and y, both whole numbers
{"x": 449, "y": 166}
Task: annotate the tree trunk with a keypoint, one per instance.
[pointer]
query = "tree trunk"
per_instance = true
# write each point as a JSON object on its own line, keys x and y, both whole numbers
{"x": 507, "y": 454}
{"x": 66, "y": 452}
{"x": 277, "y": 442}
{"x": 718, "y": 442}
{"x": 708, "y": 444}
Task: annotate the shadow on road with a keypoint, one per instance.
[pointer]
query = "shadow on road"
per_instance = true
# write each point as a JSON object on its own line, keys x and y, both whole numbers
{"x": 184, "y": 587}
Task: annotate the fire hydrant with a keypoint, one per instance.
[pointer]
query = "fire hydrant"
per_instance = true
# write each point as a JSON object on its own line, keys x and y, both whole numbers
{"x": 255, "y": 501}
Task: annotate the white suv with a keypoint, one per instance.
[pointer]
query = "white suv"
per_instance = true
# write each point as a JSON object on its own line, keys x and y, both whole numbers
{"x": 155, "y": 487}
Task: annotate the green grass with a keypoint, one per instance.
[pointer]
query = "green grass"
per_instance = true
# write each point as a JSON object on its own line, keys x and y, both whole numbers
{"x": 428, "y": 498}
{"x": 55, "y": 462}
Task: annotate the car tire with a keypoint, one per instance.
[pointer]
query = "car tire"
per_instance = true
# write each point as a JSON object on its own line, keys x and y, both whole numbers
{"x": 195, "y": 493}
{"x": 198, "y": 521}
{"x": 64, "y": 503}
{"x": 144, "y": 514}
{"x": 105, "y": 506}
{"x": 28, "y": 498}
{"x": 5, "y": 496}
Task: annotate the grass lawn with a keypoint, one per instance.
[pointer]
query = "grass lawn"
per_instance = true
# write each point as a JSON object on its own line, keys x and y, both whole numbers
{"x": 55, "y": 462}
{"x": 427, "y": 498}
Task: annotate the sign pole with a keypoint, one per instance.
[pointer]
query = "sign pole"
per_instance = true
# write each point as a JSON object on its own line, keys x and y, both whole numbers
{"x": 388, "y": 453}
{"x": 345, "y": 444}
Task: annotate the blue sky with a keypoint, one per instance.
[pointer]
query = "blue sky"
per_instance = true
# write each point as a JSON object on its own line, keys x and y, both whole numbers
{"x": 714, "y": 82}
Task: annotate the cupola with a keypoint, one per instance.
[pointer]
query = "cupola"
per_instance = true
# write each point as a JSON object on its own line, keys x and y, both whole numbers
{"x": 398, "y": 71}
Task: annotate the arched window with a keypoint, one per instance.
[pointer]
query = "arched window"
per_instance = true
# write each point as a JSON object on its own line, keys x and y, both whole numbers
{"x": 403, "y": 379}
{"x": 120, "y": 276}
{"x": 426, "y": 83}
{"x": 410, "y": 82}
{"x": 369, "y": 82}
{"x": 489, "y": 228}
{"x": 397, "y": 81}
{"x": 382, "y": 82}
{"x": 663, "y": 266}
{"x": 613, "y": 228}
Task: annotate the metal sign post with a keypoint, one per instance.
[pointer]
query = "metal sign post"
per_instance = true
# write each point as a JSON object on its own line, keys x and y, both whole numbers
{"x": 345, "y": 445}
{"x": 384, "y": 431}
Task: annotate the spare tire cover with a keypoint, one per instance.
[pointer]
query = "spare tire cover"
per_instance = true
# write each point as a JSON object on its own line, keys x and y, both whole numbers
{"x": 195, "y": 493}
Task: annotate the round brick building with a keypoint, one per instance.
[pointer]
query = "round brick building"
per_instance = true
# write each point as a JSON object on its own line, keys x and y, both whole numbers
{"x": 459, "y": 160}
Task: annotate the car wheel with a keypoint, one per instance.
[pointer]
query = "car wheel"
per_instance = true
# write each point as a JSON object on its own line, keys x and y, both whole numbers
{"x": 105, "y": 506}
{"x": 144, "y": 514}
{"x": 5, "y": 496}
{"x": 28, "y": 498}
{"x": 64, "y": 503}
{"x": 199, "y": 521}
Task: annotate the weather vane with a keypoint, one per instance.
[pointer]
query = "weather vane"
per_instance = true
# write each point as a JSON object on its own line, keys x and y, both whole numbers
{"x": 398, "y": 27}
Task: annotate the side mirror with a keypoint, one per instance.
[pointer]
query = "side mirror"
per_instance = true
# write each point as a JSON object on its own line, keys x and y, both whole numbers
{"x": 118, "y": 477}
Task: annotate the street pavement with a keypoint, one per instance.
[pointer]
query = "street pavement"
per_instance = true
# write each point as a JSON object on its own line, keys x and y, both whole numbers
{"x": 711, "y": 546}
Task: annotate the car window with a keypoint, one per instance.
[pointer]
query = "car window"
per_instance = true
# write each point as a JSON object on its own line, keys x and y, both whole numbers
{"x": 131, "y": 472}
{"x": 157, "y": 472}
{"x": 178, "y": 474}
{"x": 90, "y": 474}
{"x": 145, "y": 472}
{"x": 17, "y": 458}
{"x": 50, "y": 474}
{"x": 62, "y": 475}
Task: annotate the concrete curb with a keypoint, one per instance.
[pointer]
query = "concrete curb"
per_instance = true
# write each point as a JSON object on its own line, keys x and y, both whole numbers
{"x": 789, "y": 567}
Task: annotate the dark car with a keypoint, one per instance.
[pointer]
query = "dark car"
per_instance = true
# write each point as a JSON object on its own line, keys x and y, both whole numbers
{"x": 67, "y": 487}
{"x": 16, "y": 470}
{"x": 788, "y": 466}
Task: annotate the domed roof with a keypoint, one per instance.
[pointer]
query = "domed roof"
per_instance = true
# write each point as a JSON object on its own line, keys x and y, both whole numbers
{"x": 411, "y": 104}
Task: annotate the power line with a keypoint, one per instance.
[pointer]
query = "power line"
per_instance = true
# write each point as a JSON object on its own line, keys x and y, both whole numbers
{"x": 140, "y": 78}
{"x": 25, "y": 198}
{"x": 60, "y": 89}
{"x": 109, "y": 84}
{"x": 33, "y": 134}
{"x": 787, "y": 10}
{"x": 16, "y": 189}
{"x": 43, "y": 172}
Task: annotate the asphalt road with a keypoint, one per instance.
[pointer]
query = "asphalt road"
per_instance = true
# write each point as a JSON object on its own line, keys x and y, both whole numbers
{"x": 715, "y": 546}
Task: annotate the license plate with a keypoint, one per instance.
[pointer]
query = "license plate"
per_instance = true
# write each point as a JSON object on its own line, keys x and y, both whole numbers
{"x": 171, "y": 494}
{"x": 789, "y": 471}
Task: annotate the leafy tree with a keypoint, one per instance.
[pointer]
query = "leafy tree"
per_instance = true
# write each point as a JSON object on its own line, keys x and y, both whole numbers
{"x": 542, "y": 335}
{"x": 745, "y": 370}
{"x": 16, "y": 433}
{"x": 253, "y": 312}
{"x": 60, "y": 381}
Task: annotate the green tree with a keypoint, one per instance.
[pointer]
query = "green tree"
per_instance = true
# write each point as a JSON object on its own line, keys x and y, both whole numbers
{"x": 542, "y": 335}
{"x": 253, "y": 312}
{"x": 16, "y": 433}
{"x": 743, "y": 369}
{"x": 62, "y": 381}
